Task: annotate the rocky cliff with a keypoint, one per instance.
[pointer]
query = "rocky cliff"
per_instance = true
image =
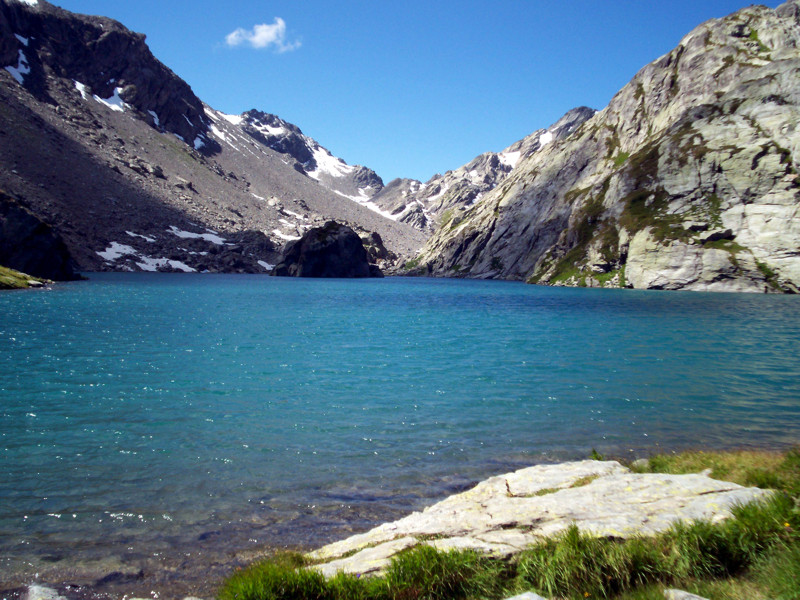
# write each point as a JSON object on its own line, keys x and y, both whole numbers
{"x": 686, "y": 180}
{"x": 30, "y": 246}
{"x": 113, "y": 150}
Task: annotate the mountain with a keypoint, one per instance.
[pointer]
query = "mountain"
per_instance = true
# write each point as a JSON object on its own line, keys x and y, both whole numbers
{"x": 443, "y": 198}
{"x": 686, "y": 180}
{"x": 116, "y": 153}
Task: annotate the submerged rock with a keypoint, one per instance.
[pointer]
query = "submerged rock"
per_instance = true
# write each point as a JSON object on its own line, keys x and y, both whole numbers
{"x": 39, "y": 592}
{"x": 505, "y": 514}
{"x": 333, "y": 250}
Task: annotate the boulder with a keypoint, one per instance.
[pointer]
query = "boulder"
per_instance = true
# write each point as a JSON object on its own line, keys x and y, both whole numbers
{"x": 333, "y": 250}
{"x": 29, "y": 245}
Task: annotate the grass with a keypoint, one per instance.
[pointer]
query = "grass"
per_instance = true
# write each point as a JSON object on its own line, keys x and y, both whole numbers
{"x": 753, "y": 555}
{"x": 411, "y": 264}
{"x": 754, "y": 37}
{"x": 14, "y": 280}
{"x": 745, "y": 467}
{"x": 620, "y": 159}
{"x": 769, "y": 274}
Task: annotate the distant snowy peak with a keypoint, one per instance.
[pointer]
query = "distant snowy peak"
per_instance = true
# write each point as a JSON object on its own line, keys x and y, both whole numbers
{"x": 354, "y": 182}
{"x": 445, "y": 197}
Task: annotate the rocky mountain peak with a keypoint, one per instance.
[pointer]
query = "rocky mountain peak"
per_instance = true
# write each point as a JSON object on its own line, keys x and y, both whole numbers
{"x": 41, "y": 43}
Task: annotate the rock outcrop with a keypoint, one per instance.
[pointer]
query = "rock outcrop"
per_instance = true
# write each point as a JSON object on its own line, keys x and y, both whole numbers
{"x": 333, "y": 250}
{"x": 29, "y": 245}
{"x": 687, "y": 180}
{"x": 503, "y": 515}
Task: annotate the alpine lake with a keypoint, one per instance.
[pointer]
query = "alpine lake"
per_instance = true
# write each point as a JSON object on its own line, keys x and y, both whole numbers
{"x": 156, "y": 430}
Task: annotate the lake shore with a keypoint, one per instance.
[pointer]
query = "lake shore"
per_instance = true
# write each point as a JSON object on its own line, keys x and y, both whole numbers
{"x": 542, "y": 485}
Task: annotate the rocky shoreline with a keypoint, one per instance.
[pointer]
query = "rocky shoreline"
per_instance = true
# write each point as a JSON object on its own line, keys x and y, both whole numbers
{"x": 502, "y": 515}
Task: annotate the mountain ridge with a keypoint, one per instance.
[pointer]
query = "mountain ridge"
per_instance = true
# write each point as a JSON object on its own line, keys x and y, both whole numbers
{"x": 137, "y": 173}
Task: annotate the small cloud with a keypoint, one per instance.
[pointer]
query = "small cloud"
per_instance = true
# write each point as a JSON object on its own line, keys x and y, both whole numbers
{"x": 263, "y": 36}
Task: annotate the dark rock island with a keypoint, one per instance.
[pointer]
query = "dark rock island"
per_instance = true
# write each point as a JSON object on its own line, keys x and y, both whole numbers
{"x": 333, "y": 250}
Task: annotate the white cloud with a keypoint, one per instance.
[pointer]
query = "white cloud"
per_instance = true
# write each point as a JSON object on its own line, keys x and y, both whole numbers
{"x": 263, "y": 36}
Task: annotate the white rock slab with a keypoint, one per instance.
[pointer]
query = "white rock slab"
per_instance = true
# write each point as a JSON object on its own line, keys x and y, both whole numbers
{"x": 505, "y": 514}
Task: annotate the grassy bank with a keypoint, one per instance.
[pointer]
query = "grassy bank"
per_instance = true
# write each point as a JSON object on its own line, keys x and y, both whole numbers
{"x": 754, "y": 555}
{"x": 14, "y": 280}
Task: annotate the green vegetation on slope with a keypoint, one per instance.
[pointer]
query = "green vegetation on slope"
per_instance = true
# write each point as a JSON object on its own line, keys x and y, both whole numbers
{"x": 754, "y": 555}
{"x": 14, "y": 280}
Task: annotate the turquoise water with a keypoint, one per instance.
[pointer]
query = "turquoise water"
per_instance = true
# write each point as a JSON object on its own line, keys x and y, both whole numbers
{"x": 148, "y": 417}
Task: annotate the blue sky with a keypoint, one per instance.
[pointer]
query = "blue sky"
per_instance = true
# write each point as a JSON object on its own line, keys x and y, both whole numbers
{"x": 414, "y": 88}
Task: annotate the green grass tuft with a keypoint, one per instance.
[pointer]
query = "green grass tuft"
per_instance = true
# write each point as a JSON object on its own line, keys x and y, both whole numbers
{"x": 620, "y": 158}
{"x": 426, "y": 574}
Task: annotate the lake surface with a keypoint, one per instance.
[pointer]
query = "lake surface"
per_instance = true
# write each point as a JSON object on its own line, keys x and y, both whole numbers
{"x": 185, "y": 423}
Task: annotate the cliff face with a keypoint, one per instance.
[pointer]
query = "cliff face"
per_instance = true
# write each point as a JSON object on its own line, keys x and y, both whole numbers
{"x": 687, "y": 180}
{"x": 31, "y": 246}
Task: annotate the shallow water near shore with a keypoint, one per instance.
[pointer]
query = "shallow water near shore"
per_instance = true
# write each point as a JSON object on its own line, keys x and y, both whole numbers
{"x": 183, "y": 424}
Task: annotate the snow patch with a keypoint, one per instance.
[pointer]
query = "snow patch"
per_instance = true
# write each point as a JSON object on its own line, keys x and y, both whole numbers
{"x": 232, "y": 119}
{"x": 116, "y": 250}
{"x": 22, "y": 40}
{"x": 139, "y": 235}
{"x": 22, "y": 68}
{"x": 153, "y": 264}
{"x": 114, "y": 102}
{"x": 283, "y": 236}
{"x": 209, "y": 237}
{"x": 294, "y": 214}
{"x": 155, "y": 118}
{"x": 81, "y": 88}
{"x": 509, "y": 159}
{"x": 145, "y": 263}
{"x": 365, "y": 201}
{"x": 29, "y": 2}
{"x": 199, "y": 142}
{"x": 327, "y": 164}
{"x": 221, "y": 135}
{"x": 545, "y": 138}
{"x": 269, "y": 129}
{"x": 266, "y": 265}
{"x": 441, "y": 193}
